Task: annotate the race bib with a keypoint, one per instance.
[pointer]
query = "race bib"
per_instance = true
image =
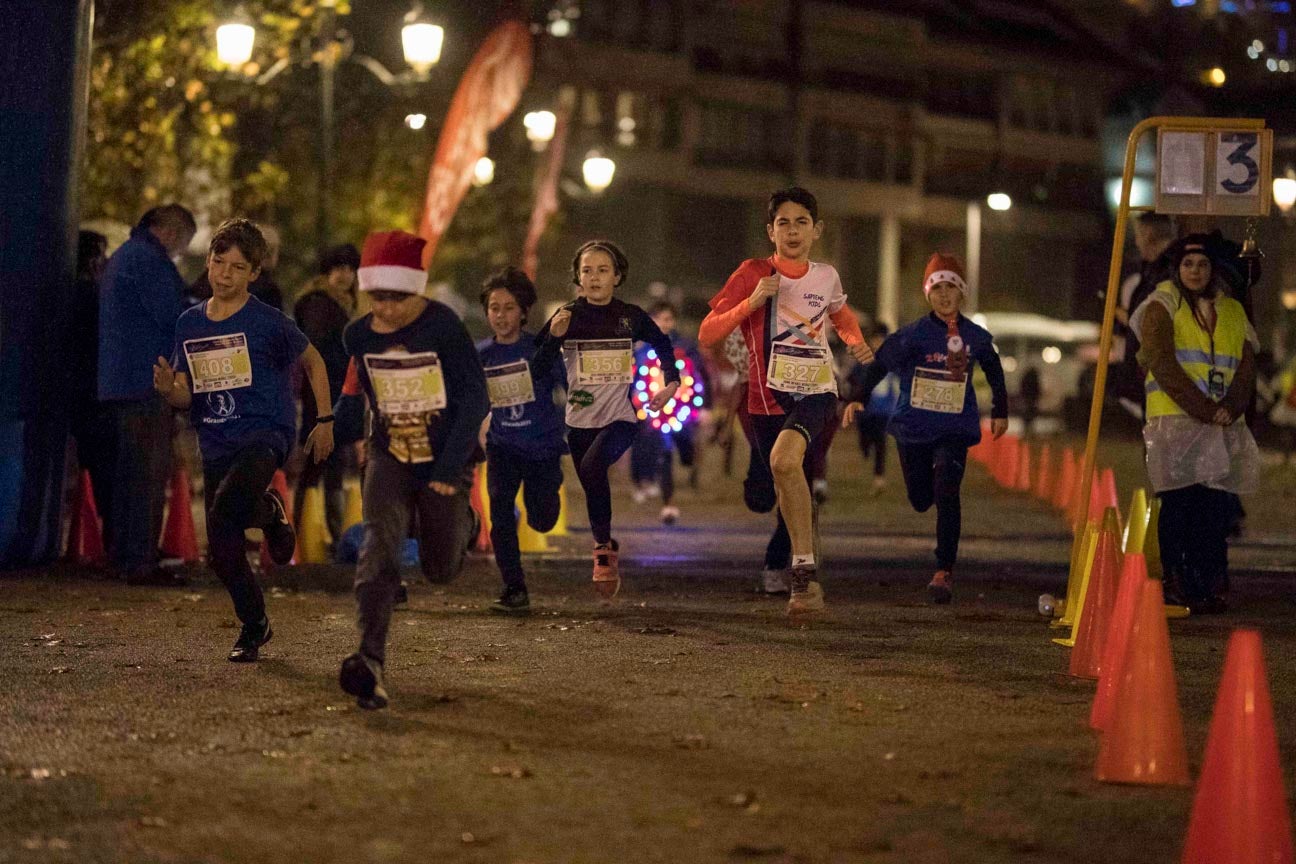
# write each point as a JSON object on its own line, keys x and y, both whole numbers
{"x": 219, "y": 363}
{"x": 407, "y": 383}
{"x": 604, "y": 361}
{"x": 509, "y": 384}
{"x": 800, "y": 369}
{"x": 935, "y": 390}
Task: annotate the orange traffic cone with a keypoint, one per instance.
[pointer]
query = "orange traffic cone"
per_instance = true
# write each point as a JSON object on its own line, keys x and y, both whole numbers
{"x": 1240, "y": 814}
{"x": 178, "y": 538}
{"x": 85, "y": 535}
{"x": 979, "y": 451}
{"x": 1009, "y": 454}
{"x": 479, "y": 500}
{"x": 1133, "y": 575}
{"x": 1110, "y": 497}
{"x": 1096, "y": 506}
{"x": 1044, "y": 482}
{"x": 1145, "y": 742}
{"x": 1066, "y": 481}
{"x": 1022, "y": 482}
{"x": 279, "y": 483}
{"x": 1100, "y": 600}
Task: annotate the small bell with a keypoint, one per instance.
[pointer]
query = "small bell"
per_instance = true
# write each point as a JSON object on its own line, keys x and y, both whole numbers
{"x": 1250, "y": 249}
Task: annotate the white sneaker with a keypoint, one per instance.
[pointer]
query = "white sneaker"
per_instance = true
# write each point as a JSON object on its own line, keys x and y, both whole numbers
{"x": 670, "y": 514}
{"x": 820, "y": 490}
{"x": 652, "y": 490}
{"x": 774, "y": 582}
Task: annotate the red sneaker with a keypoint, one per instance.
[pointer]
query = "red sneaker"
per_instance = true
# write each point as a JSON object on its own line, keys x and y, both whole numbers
{"x": 607, "y": 577}
{"x": 940, "y": 589}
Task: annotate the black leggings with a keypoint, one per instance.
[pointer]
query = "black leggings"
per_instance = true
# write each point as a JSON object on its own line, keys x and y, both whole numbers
{"x": 1193, "y": 532}
{"x": 933, "y": 473}
{"x": 235, "y": 493}
{"x": 540, "y": 481}
{"x": 595, "y": 451}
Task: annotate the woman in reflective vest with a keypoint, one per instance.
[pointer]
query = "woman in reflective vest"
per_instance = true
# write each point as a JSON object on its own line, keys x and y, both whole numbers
{"x": 1199, "y": 350}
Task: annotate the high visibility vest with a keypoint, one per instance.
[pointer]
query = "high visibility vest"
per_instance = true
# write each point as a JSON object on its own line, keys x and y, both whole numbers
{"x": 1210, "y": 359}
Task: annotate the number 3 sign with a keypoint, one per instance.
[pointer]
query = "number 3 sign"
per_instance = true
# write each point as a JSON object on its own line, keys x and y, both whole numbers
{"x": 1236, "y": 182}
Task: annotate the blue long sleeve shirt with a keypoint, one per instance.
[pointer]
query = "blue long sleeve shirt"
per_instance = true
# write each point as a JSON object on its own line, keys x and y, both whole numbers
{"x": 916, "y": 354}
{"x": 139, "y": 304}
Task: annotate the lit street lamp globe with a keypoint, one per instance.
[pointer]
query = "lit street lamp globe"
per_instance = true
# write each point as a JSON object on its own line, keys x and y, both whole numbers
{"x": 234, "y": 43}
{"x": 1284, "y": 193}
{"x": 422, "y": 43}
{"x": 540, "y": 127}
{"x": 598, "y": 171}
{"x": 999, "y": 201}
{"x": 483, "y": 171}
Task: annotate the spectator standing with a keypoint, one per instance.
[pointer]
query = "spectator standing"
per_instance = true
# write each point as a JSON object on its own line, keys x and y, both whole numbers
{"x": 139, "y": 305}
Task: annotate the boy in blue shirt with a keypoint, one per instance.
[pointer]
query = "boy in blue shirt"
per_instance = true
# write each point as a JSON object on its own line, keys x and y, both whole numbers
{"x": 937, "y": 419}
{"x": 231, "y": 369}
{"x": 524, "y": 431}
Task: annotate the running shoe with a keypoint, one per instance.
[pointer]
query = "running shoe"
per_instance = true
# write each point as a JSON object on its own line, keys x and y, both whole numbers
{"x": 401, "y": 597}
{"x": 514, "y": 601}
{"x": 807, "y": 595}
{"x": 248, "y": 646}
{"x": 820, "y": 491}
{"x": 774, "y": 581}
{"x": 607, "y": 576}
{"x": 940, "y": 589}
{"x": 362, "y": 677}
{"x": 670, "y": 514}
{"x": 280, "y": 537}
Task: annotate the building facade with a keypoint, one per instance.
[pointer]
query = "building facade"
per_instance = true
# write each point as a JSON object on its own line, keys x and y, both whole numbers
{"x": 901, "y": 122}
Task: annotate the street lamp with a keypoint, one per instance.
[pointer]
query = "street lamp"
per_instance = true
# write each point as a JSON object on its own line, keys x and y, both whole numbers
{"x": 332, "y": 45}
{"x": 999, "y": 201}
{"x": 540, "y": 126}
{"x": 1284, "y": 193}
{"x": 483, "y": 171}
{"x": 234, "y": 42}
{"x": 598, "y": 171}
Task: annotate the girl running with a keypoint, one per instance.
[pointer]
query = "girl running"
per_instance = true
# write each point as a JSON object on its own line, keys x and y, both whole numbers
{"x": 596, "y": 334}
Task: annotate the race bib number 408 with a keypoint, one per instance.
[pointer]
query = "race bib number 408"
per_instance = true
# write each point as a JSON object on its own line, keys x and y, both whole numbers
{"x": 935, "y": 390}
{"x": 800, "y": 369}
{"x": 219, "y": 363}
{"x": 407, "y": 383}
{"x": 509, "y": 384}
{"x": 604, "y": 361}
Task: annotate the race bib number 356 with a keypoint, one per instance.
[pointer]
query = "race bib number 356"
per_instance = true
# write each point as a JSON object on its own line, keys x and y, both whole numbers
{"x": 800, "y": 369}
{"x": 934, "y": 390}
{"x": 407, "y": 383}
{"x": 509, "y": 384}
{"x": 219, "y": 363}
{"x": 604, "y": 361}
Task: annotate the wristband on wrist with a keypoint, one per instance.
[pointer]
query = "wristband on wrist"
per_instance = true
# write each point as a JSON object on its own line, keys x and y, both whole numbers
{"x": 326, "y": 418}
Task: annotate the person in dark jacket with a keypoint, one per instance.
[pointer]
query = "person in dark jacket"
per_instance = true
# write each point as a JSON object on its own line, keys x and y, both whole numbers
{"x": 94, "y": 446}
{"x": 139, "y": 306}
{"x": 1154, "y": 234}
{"x": 323, "y": 309}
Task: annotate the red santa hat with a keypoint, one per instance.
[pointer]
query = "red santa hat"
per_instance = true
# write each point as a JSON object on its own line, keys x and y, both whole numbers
{"x": 392, "y": 261}
{"x": 944, "y": 267}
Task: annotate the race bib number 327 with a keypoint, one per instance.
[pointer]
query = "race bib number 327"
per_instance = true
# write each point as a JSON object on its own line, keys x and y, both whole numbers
{"x": 800, "y": 369}
{"x": 407, "y": 383}
{"x": 604, "y": 361}
{"x": 219, "y": 363}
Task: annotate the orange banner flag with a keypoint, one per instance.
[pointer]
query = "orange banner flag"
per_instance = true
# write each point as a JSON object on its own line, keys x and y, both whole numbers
{"x": 490, "y": 89}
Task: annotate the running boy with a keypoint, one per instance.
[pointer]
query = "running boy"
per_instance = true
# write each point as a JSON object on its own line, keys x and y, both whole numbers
{"x": 936, "y": 418}
{"x": 596, "y": 335}
{"x": 415, "y": 362}
{"x": 231, "y": 369}
{"x": 524, "y": 438}
{"x": 783, "y": 304}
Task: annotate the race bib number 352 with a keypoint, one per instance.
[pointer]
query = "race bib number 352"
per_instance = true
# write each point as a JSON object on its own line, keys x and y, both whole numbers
{"x": 800, "y": 369}
{"x": 934, "y": 390}
{"x": 509, "y": 384}
{"x": 219, "y": 363}
{"x": 604, "y": 361}
{"x": 407, "y": 383}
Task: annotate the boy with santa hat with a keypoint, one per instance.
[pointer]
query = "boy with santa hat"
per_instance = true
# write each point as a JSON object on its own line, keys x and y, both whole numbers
{"x": 936, "y": 419}
{"x": 416, "y": 364}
